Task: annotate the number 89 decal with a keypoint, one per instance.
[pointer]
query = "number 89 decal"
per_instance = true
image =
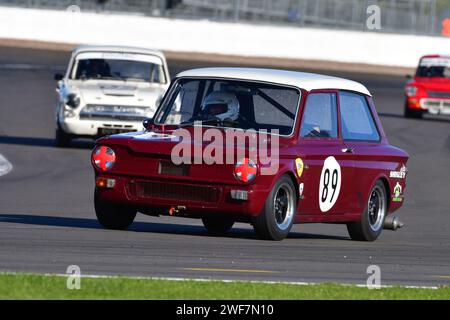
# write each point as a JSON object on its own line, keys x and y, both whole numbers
{"x": 330, "y": 184}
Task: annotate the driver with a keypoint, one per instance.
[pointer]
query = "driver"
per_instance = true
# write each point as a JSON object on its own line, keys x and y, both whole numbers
{"x": 97, "y": 68}
{"x": 221, "y": 105}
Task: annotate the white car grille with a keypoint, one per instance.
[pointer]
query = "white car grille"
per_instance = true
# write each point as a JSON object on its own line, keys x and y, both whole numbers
{"x": 116, "y": 112}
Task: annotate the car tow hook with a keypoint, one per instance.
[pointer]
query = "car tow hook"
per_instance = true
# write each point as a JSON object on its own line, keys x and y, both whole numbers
{"x": 174, "y": 210}
{"x": 393, "y": 223}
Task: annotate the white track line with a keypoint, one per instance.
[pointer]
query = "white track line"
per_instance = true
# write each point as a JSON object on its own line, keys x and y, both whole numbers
{"x": 5, "y": 166}
{"x": 220, "y": 280}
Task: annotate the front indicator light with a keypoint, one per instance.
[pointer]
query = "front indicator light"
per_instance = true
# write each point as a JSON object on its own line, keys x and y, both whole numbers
{"x": 246, "y": 170}
{"x": 103, "y": 158}
{"x": 105, "y": 183}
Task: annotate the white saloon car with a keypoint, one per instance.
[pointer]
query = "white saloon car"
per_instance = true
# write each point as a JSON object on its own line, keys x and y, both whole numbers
{"x": 108, "y": 90}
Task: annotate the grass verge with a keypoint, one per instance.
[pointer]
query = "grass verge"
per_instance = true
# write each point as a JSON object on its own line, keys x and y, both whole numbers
{"x": 34, "y": 286}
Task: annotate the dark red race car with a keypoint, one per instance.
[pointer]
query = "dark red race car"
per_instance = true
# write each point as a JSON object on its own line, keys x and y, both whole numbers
{"x": 429, "y": 90}
{"x": 266, "y": 147}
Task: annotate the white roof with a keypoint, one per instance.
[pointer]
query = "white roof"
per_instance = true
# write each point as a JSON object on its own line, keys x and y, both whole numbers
{"x": 119, "y": 49}
{"x": 303, "y": 80}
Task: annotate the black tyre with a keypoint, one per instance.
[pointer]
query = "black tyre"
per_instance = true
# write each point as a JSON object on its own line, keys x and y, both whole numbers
{"x": 412, "y": 113}
{"x": 62, "y": 139}
{"x": 371, "y": 224}
{"x": 218, "y": 225}
{"x": 113, "y": 216}
{"x": 277, "y": 217}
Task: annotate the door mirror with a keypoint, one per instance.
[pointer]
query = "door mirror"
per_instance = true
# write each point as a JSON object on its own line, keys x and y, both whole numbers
{"x": 58, "y": 77}
{"x": 147, "y": 123}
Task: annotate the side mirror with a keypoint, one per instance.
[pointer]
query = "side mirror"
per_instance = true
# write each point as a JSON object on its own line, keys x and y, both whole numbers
{"x": 147, "y": 123}
{"x": 58, "y": 77}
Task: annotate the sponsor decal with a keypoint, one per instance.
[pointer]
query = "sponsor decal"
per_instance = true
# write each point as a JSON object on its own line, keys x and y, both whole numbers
{"x": 401, "y": 174}
{"x": 398, "y": 193}
{"x": 299, "y": 166}
{"x": 330, "y": 184}
{"x": 301, "y": 188}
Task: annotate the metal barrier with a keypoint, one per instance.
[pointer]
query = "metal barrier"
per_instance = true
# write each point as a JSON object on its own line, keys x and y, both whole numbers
{"x": 398, "y": 16}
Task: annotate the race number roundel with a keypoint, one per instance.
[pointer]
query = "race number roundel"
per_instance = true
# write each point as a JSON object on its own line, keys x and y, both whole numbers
{"x": 330, "y": 184}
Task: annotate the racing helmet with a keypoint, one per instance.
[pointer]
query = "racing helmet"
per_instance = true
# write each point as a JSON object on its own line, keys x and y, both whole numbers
{"x": 222, "y": 105}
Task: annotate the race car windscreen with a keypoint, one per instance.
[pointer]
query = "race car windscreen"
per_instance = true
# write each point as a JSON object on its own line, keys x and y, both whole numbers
{"x": 438, "y": 67}
{"x": 230, "y": 103}
{"x": 118, "y": 69}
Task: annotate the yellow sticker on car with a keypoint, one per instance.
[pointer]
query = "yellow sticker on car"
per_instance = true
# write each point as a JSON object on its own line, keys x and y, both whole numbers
{"x": 300, "y": 166}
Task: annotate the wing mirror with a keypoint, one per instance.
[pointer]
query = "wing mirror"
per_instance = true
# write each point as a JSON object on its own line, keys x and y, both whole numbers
{"x": 148, "y": 123}
{"x": 58, "y": 77}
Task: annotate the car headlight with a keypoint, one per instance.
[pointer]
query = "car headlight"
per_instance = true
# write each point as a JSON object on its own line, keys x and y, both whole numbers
{"x": 411, "y": 91}
{"x": 246, "y": 170}
{"x": 103, "y": 158}
{"x": 73, "y": 100}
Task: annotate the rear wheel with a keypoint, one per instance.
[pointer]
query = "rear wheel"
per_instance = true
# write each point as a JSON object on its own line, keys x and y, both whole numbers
{"x": 277, "y": 217}
{"x": 412, "y": 113}
{"x": 62, "y": 139}
{"x": 113, "y": 216}
{"x": 372, "y": 220}
{"x": 217, "y": 225}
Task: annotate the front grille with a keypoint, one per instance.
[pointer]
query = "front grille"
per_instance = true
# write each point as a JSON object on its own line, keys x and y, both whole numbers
{"x": 438, "y": 94}
{"x": 169, "y": 191}
{"x": 114, "y": 112}
{"x": 111, "y": 117}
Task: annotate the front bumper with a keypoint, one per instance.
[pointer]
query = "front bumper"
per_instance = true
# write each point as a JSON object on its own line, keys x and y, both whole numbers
{"x": 193, "y": 198}
{"x": 90, "y": 127}
{"x": 435, "y": 105}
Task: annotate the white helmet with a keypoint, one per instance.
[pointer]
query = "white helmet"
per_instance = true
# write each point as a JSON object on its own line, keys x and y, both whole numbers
{"x": 220, "y": 104}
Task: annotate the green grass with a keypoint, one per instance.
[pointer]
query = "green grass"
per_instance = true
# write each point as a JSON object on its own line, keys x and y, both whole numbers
{"x": 33, "y": 286}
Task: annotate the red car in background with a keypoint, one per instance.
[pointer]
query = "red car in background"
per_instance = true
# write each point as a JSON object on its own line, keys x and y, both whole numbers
{"x": 429, "y": 90}
{"x": 333, "y": 162}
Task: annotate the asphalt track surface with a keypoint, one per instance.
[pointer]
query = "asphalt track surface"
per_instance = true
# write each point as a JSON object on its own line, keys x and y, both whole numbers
{"x": 47, "y": 220}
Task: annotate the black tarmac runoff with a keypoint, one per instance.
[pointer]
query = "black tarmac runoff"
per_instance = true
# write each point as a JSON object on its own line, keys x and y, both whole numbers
{"x": 47, "y": 219}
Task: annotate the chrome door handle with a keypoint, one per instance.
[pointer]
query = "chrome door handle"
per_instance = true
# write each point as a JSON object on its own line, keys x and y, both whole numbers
{"x": 348, "y": 150}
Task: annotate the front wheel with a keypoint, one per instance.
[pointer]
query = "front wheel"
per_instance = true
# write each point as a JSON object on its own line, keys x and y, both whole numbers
{"x": 62, "y": 139}
{"x": 277, "y": 217}
{"x": 113, "y": 216}
{"x": 412, "y": 113}
{"x": 218, "y": 225}
{"x": 372, "y": 220}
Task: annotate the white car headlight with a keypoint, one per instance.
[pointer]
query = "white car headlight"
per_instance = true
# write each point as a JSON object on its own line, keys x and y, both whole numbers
{"x": 73, "y": 100}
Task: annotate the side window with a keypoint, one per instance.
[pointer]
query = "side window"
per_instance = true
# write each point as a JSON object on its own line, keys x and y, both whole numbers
{"x": 320, "y": 116}
{"x": 356, "y": 119}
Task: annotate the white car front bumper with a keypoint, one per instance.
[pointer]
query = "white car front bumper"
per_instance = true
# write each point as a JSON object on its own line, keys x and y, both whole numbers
{"x": 91, "y": 127}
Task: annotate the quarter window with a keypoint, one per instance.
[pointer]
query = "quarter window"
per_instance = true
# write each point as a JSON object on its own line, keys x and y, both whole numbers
{"x": 320, "y": 116}
{"x": 356, "y": 119}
